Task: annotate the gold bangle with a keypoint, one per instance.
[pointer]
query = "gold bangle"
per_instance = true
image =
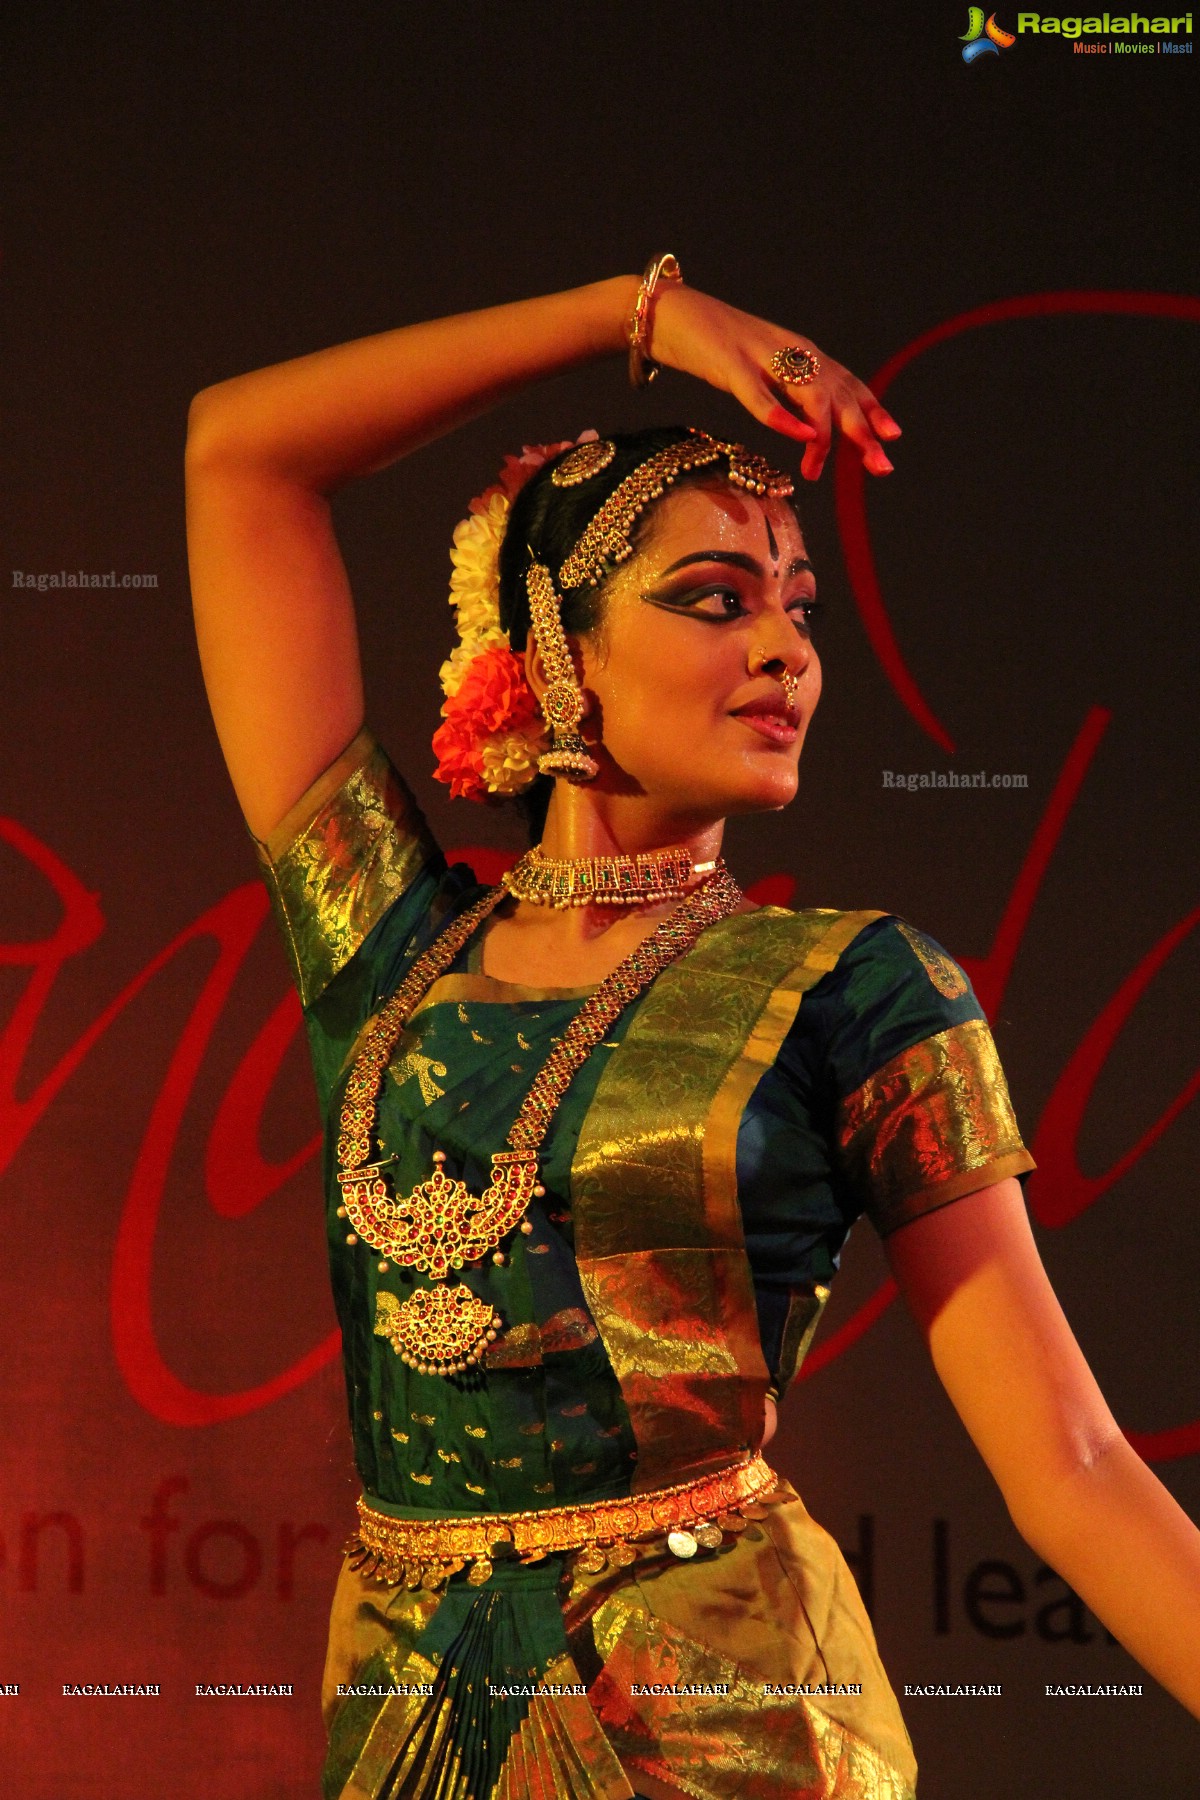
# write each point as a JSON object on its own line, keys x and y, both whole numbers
{"x": 642, "y": 367}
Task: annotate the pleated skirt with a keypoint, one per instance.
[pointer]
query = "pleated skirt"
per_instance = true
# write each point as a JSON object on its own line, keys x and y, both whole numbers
{"x": 748, "y": 1672}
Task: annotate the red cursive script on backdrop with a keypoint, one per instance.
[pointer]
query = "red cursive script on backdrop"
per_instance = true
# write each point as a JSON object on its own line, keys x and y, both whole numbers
{"x": 1054, "y": 1142}
{"x": 850, "y": 482}
{"x": 232, "y": 925}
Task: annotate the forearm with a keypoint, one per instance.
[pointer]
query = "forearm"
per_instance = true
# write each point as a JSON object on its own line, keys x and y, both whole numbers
{"x": 1115, "y": 1534}
{"x": 1075, "y": 1489}
{"x": 323, "y": 419}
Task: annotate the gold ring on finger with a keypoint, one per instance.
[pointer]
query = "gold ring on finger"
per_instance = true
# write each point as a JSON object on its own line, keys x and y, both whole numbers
{"x": 795, "y": 366}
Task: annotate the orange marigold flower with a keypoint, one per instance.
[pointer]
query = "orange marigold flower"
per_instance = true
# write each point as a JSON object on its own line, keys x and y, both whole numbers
{"x": 494, "y": 698}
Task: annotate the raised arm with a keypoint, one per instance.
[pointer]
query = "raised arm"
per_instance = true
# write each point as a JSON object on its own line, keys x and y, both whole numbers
{"x": 274, "y": 616}
{"x": 1077, "y": 1492}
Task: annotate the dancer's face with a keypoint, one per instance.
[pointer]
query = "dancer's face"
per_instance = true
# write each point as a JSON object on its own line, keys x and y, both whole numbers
{"x": 684, "y": 671}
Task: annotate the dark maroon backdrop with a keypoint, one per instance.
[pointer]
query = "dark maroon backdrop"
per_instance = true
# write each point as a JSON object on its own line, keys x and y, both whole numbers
{"x": 193, "y": 190}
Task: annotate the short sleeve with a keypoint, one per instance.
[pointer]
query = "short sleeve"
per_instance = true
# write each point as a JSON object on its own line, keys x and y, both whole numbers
{"x": 344, "y": 854}
{"x": 923, "y": 1114}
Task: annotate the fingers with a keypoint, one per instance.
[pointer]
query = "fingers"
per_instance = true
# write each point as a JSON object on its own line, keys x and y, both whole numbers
{"x": 856, "y": 424}
{"x": 818, "y": 436}
{"x": 843, "y": 403}
{"x": 813, "y": 460}
{"x": 862, "y": 422}
{"x": 880, "y": 420}
{"x": 780, "y": 419}
{"x": 762, "y": 403}
{"x": 817, "y": 401}
{"x": 834, "y": 400}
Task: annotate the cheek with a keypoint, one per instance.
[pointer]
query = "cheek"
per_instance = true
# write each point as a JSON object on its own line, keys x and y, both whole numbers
{"x": 635, "y": 712}
{"x": 679, "y": 686}
{"x": 643, "y": 666}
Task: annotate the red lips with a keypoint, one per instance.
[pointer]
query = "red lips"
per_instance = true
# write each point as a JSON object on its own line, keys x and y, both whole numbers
{"x": 770, "y": 706}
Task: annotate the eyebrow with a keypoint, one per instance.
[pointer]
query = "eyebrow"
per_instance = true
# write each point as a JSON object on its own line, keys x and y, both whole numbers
{"x": 737, "y": 559}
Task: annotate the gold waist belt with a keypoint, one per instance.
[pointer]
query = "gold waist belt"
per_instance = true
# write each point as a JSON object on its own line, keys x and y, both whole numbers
{"x": 693, "y": 1515}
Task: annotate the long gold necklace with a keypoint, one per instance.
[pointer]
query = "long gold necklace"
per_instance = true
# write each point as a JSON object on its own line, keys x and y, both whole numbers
{"x": 441, "y": 1225}
{"x": 641, "y": 880}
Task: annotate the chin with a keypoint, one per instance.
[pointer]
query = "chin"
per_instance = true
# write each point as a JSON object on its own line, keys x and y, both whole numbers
{"x": 754, "y": 795}
{"x": 773, "y": 799}
{"x": 718, "y": 792}
{"x": 767, "y": 789}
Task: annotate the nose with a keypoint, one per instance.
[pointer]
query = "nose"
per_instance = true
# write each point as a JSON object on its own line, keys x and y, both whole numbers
{"x": 779, "y": 650}
{"x": 782, "y": 653}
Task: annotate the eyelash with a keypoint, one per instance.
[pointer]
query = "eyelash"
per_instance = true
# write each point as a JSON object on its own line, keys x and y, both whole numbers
{"x": 809, "y": 611}
{"x": 806, "y": 611}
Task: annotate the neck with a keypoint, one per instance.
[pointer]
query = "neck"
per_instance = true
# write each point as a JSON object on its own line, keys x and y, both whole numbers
{"x": 583, "y": 823}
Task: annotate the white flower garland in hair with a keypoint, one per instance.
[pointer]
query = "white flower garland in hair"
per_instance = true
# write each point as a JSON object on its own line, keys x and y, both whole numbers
{"x": 494, "y": 731}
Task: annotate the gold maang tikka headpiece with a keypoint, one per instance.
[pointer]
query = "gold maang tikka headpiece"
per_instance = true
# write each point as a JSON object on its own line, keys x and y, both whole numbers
{"x": 609, "y": 537}
{"x": 609, "y": 540}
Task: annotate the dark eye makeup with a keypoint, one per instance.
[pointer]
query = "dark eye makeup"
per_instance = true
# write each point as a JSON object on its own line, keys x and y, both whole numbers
{"x": 807, "y": 612}
{"x": 718, "y": 602}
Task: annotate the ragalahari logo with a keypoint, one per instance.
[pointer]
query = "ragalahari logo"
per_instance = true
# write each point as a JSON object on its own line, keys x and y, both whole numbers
{"x": 984, "y": 37}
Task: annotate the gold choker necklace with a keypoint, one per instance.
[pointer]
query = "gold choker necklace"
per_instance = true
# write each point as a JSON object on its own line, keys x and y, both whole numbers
{"x": 605, "y": 880}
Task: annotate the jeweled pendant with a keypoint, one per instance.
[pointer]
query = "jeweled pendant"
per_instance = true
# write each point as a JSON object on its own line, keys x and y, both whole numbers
{"x": 438, "y": 1330}
{"x": 440, "y": 1225}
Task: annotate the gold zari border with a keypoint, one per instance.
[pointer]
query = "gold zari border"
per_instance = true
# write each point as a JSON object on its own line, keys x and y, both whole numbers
{"x": 658, "y": 1226}
{"x": 932, "y": 1125}
{"x": 426, "y": 1552}
{"x": 560, "y": 1748}
{"x": 346, "y": 850}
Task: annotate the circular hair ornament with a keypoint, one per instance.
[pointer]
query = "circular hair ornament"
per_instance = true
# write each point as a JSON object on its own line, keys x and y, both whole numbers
{"x": 582, "y": 463}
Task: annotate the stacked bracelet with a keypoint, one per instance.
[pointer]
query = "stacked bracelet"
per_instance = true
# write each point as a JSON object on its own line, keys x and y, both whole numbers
{"x": 642, "y": 368}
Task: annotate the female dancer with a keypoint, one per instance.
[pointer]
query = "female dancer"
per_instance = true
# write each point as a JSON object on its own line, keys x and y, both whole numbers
{"x": 596, "y": 1137}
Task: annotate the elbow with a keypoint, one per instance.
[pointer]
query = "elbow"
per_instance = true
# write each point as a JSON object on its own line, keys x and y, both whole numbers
{"x": 228, "y": 427}
{"x": 1048, "y": 1500}
{"x": 211, "y": 433}
{"x": 233, "y": 435}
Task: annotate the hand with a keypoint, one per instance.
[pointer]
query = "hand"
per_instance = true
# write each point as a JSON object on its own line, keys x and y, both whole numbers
{"x": 732, "y": 350}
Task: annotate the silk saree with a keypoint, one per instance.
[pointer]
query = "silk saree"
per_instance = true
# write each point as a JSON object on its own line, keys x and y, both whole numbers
{"x": 789, "y": 1073}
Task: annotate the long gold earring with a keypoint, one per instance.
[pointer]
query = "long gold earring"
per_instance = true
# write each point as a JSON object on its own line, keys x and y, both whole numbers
{"x": 562, "y": 703}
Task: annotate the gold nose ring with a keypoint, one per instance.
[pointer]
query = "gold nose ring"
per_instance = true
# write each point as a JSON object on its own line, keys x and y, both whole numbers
{"x": 788, "y": 678}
